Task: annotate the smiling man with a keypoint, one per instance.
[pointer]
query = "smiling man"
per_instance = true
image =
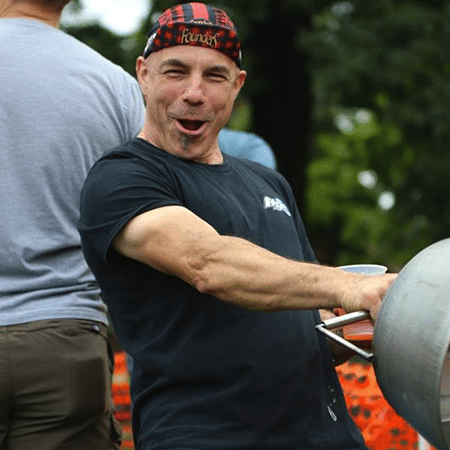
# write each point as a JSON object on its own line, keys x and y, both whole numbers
{"x": 205, "y": 265}
{"x": 189, "y": 93}
{"x": 190, "y": 88}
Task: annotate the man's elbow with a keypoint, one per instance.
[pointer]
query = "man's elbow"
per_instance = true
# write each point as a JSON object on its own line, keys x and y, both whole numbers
{"x": 203, "y": 282}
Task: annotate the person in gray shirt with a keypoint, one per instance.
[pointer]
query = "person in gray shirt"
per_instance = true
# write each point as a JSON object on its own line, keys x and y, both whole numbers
{"x": 61, "y": 106}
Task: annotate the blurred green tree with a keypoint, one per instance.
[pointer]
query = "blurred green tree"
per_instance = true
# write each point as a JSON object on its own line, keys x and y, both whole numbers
{"x": 389, "y": 58}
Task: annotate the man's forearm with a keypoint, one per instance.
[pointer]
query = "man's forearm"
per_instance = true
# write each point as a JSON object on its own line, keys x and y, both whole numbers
{"x": 240, "y": 272}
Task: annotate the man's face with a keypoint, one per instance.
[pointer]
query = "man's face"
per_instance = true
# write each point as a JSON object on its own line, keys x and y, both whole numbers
{"x": 190, "y": 92}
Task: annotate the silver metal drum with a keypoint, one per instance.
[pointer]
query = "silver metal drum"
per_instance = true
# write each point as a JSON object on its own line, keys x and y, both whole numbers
{"x": 411, "y": 344}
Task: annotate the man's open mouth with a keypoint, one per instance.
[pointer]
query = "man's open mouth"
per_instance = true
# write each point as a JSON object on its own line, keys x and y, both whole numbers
{"x": 191, "y": 125}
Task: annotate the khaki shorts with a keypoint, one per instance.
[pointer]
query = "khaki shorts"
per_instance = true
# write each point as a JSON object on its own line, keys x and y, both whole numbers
{"x": 55, "y": 387}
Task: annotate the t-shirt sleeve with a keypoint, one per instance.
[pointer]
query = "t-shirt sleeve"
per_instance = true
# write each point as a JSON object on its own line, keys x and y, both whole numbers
{"x": 117, "y": 190}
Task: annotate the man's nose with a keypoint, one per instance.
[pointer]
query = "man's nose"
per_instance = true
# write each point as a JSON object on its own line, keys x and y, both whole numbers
{"x": 194, "y": 92}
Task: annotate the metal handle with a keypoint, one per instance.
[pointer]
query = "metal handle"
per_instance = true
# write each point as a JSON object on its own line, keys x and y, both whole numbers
{"x": 338, "y": 322}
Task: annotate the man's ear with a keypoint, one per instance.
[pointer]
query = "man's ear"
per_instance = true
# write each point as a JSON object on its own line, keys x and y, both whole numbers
{"x": 141, "y": 73}
{"x": 240, "y": 80}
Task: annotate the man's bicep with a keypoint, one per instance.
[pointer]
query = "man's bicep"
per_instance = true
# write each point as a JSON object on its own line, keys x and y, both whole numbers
{"x": 165, "y": 238}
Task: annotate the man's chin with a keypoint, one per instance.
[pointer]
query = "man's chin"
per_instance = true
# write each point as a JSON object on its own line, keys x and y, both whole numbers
{"x": 186, "y": 142}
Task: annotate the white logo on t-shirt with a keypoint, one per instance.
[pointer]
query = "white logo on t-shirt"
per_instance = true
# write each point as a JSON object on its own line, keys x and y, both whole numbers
{"x": 276, "y": 204}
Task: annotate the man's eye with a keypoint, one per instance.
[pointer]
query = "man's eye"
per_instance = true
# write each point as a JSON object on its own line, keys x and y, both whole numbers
{"x": 174, "y": 72}
{"x": 217, "y": 76}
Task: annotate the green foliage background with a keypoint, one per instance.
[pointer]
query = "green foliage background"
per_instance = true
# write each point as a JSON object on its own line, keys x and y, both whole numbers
{"x": 354, "y": 98}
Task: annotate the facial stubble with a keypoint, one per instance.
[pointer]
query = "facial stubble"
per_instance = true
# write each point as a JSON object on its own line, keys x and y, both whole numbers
{"x": 185, "y": 141}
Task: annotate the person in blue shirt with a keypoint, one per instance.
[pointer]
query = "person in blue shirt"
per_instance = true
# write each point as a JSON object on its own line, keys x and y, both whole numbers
{"x": 248, "y": 146}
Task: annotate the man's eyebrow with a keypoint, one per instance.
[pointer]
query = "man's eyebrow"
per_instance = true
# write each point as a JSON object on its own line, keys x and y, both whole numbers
{"x": 172, "y": 62}
{"x": 219, "y": 69}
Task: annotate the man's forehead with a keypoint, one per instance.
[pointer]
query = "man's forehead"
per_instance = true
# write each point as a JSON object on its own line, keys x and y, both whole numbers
{"x": 190, "y": 56}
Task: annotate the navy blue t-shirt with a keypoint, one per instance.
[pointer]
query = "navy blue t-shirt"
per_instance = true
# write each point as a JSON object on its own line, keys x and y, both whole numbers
{"x": 208, "y": 375}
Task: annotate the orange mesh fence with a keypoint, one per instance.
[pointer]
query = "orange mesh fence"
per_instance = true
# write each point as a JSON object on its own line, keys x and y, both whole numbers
{"x": 122, "y": 400}
{"x": 381, "y": 426}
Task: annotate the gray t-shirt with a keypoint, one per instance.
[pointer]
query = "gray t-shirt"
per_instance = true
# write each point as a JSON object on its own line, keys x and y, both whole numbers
{"x": 61, "y": 106}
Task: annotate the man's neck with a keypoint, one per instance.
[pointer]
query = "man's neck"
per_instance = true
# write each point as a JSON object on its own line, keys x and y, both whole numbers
{"x": 29, "y": 10}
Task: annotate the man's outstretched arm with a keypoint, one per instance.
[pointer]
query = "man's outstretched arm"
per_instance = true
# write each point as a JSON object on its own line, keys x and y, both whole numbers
{"x": 175, "y": 241}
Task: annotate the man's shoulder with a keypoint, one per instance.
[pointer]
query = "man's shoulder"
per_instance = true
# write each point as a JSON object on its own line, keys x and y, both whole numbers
{"x": 135, "y": 153}
{"x": 81, "y": 50}
{"x": 126, "y": 150}
{"x": 55, "y": 45}
{"x": 133, "y": 148}
{"x": 257, "y": 171}
{"x": 243, "y": 164}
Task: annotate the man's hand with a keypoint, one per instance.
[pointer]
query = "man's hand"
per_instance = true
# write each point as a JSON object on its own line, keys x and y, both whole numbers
{"x": 340, "y": 353}
{"x": 366, "y": 292}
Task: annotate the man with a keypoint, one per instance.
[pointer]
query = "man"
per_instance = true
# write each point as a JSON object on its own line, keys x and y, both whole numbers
{"x": 61, "y": 106}
{"x": 206, "y": 268}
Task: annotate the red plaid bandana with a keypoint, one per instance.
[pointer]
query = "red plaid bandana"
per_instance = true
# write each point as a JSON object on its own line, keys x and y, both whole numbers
{"x": 195, "y": 24}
